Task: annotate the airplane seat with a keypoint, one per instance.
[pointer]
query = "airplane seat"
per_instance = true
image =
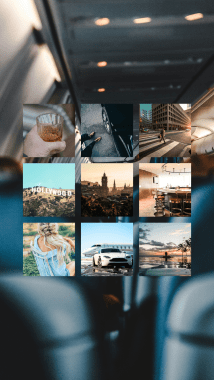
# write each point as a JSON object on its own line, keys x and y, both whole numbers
{"x": 137, "y": 343}
{"x": 53, "y": 329}
{"x": 202, "y": 265}
{"x": 166, "y": 289}
{"x": 188, "y": 351}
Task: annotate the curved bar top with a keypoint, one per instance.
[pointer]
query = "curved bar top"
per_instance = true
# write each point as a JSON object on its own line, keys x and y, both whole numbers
{"x": 182, "y": 190}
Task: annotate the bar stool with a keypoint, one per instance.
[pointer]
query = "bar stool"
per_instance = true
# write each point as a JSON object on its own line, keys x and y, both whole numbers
{"x": 175, "y": 207}
{"x": 165, "y": 200}
{"x": 187, "y": 207}
{"x": 159, "y": 206}
{"x": 154, "y": 193}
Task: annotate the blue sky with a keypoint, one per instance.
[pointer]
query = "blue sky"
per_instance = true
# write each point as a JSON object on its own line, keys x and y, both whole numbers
{"x": 148, "y": 107}
{"x": 49, "y": 175}
{"x": 145, "y": 107}
{"x": 100, "y": 233}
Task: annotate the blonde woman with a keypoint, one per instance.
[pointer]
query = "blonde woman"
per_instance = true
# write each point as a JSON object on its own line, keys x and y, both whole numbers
{"x": 51, "y": 251}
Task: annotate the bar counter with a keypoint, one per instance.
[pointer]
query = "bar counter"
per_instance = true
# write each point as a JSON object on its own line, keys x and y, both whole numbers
{"x": 173, "y": 193}
{"x": 182, "y": 190}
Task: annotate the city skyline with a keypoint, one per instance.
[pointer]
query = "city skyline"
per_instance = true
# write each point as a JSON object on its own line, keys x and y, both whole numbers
{"x": 121, "y": 173}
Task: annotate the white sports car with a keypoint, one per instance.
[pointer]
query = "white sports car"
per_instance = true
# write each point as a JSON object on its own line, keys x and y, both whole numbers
{"x": 112, "y": 256}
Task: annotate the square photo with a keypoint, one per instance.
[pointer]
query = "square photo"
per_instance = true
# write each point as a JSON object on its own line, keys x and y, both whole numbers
{"x": 106, "y": 190}
{"x": 106, "y": 249}
{"x": 164, "y": 189}
{"x": 165, "y": 249}
{"x": 49, "y": 130}
{"x": 49, "y": 190}
{"x": 48, "y": 249}
{"x": 107, "y": 130}
{"x": 164, "y": 130}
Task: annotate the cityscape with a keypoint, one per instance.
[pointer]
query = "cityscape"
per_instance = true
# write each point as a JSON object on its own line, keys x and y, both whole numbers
{"x": 111, "y": 191}
{"x": 164, "y": 130}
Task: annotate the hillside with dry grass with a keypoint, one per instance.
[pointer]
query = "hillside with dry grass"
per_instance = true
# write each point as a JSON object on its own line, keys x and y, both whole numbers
{"x": 48, "y": 205}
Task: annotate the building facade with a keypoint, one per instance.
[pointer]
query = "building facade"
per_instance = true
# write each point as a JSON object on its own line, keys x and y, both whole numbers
{"x": 114, "y": 189}
{"x": 104, "y": 181}
{"x": 146, "y": 119}
{"x": 91, "y": 188}
{"x": 169, "y": 116}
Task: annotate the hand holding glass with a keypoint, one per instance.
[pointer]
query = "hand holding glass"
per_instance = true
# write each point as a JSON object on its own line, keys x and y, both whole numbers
{"x": 50, "y": 127}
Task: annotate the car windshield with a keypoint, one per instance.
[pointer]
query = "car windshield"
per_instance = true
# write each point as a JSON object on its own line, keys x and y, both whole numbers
{"x": 105, "y": 250}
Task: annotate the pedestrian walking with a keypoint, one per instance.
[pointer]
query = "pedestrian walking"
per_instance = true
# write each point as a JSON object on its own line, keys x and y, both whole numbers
{"x": 162, "y": 135}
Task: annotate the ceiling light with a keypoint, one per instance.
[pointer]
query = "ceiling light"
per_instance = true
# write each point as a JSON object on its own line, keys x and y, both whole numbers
{"x": 102, "y": 21}
{"x": 143, "y": 20}
{"x": 193, "y": 17}
{"x": 102, "y": 64}
{"x": 101, "y": 89}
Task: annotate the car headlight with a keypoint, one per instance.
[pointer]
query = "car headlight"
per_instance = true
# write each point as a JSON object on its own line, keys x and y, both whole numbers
{"x": 108, "y": 257}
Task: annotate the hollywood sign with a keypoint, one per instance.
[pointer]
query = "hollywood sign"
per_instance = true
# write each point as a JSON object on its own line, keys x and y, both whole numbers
{"x": 51, "y": 191}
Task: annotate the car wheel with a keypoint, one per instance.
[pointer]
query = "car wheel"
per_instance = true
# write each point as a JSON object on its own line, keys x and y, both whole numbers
{"x": 106, "y": 121}
{"x": 93, "y": 262}
{"x": 128, "y": 266}
{"x": 99, "y": 262}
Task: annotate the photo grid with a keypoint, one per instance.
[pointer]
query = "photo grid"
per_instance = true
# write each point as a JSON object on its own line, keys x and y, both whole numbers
{"x": 110, "y": 195}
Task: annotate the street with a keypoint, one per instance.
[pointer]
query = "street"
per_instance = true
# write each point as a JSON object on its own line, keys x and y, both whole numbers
{"x": 91, "y": 120}
{"x": 178, "y": 144}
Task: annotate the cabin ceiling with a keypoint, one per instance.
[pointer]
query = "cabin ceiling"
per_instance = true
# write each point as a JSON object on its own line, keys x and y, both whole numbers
{"x": 166, "y": 60}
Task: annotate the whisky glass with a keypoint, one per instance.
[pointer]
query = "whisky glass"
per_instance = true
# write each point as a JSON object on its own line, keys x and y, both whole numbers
{"x": 50, "y": 127}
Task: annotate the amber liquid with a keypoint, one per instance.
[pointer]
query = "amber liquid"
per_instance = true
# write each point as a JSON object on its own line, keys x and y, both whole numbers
{"x": 50, "y": 133}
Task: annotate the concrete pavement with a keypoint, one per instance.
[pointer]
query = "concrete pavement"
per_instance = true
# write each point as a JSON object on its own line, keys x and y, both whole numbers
{"x": 177, "y": 144}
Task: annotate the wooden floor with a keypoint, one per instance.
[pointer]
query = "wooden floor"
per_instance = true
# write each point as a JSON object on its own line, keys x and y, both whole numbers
{"x": 146, "y": 207}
